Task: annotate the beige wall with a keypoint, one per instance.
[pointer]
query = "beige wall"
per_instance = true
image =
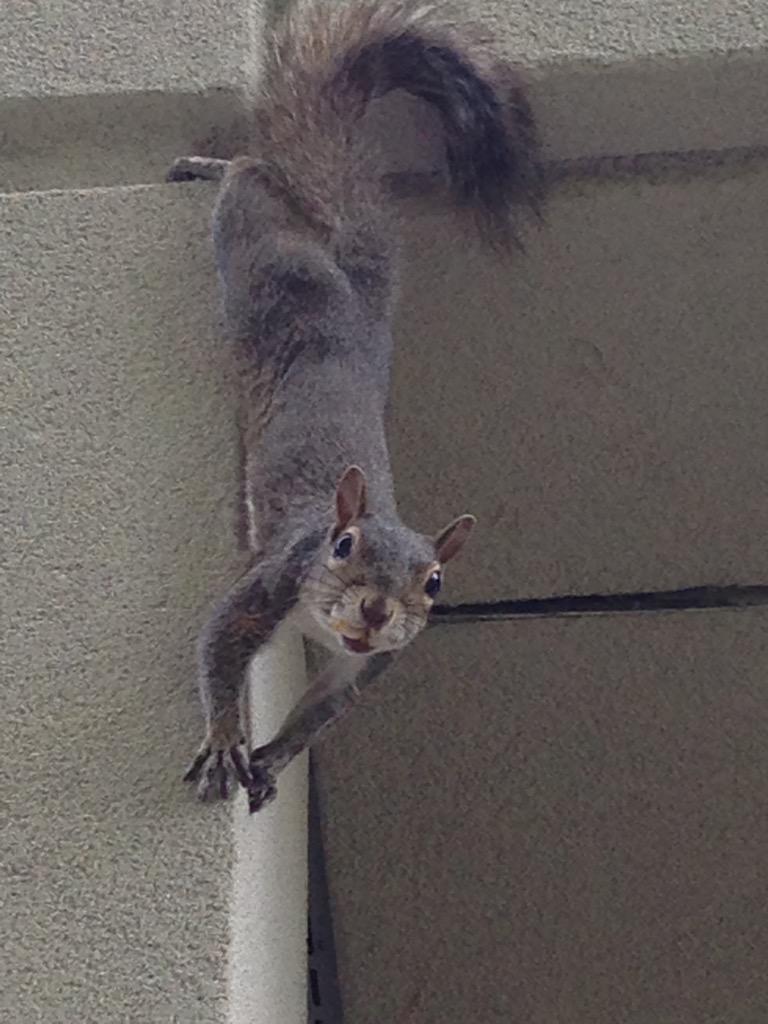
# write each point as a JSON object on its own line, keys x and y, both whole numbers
{"x": 572, "y": 804}
{"x": 557, "y": 821}
{"x": 121, "y": 897}
{"x": 623, "y": 373}
{"x": 540, "y": 821}
{"x": 560, "y": 822}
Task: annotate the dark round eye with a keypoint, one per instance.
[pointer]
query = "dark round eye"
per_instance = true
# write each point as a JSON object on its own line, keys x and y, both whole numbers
{"x": 433, "y": 584}
{"x": 343, "y": 546}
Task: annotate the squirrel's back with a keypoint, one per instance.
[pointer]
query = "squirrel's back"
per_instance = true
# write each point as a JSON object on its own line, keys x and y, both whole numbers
{"x": 303, "y": 235}
{"x": 327, "y": 60}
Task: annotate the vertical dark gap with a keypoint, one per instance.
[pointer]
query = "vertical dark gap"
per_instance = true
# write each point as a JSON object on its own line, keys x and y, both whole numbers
{"x": 323, "y": 995}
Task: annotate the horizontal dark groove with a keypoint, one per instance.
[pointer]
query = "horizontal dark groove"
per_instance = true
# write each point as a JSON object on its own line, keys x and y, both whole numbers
{"x": 655, "y": 165}
{"x": 688, "y": 599}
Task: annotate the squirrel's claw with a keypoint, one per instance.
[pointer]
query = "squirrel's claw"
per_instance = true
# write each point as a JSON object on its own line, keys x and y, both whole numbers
{"x": 215, "y": 770}
{"x": 262, "y": 789}
{"x": 192, "y": 774}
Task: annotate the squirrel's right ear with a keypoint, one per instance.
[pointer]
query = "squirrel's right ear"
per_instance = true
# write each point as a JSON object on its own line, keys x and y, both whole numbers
{"x": 350, "y": 497}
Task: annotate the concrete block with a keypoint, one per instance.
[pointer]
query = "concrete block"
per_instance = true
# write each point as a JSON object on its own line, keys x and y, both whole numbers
{"x": 102, "y": 46}
{"x": 556, "y": 821}
{"x": 117, "y": 139}
{"x": 599, "y": 401}
{"x": 122, "y": 898}
{"x": 622, "y": 30}
{"x": 101, "y": 93}
{"x": 634, "y": 76}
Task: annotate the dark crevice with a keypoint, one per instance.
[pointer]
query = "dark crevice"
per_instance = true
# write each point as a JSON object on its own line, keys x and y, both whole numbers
{"x": 689, "y": 599}
{"x": 323, "y": 993}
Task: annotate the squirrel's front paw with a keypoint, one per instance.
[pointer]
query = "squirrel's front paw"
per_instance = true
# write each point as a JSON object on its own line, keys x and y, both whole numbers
{"x": 215, "y": 768}
{"x": 262, "y": 788}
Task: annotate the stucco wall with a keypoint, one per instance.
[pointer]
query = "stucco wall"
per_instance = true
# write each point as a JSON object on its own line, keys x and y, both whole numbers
{"x": 611, "y": 441}
{"x": 560, "y": 821}
{"x": 121, "y": 896}
{"x": 557, "y": 821}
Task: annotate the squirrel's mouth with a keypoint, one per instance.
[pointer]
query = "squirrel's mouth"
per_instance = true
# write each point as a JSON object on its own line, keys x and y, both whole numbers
{"x": 358, "y": 645}
{"x": 355, "y": 644}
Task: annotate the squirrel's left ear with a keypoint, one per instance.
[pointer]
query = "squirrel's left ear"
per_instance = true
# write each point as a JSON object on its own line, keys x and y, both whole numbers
{"x": 451, "y": 540}
{"x": 350, "y": 497}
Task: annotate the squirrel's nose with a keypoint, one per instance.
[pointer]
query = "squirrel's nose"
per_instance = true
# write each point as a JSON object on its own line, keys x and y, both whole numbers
{"x": 375, "y": 613}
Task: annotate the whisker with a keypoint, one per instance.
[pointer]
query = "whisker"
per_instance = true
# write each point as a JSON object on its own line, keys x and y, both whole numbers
{"x": 412, "y": 617}
{"x": 323, "y": 570}
{"x": 332, "y": 572}
{"x": 321, "y": 585}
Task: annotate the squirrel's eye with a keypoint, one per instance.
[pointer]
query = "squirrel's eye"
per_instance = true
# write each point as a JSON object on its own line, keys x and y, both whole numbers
{"x": 343, "y": 546}
{"x": 432, "y": 586}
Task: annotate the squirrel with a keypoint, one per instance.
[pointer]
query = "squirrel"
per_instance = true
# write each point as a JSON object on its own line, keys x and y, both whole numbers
{"x": 306, "y": 255}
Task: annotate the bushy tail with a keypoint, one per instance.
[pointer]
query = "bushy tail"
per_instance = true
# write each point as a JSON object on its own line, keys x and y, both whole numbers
{"x": 329, "y": 58}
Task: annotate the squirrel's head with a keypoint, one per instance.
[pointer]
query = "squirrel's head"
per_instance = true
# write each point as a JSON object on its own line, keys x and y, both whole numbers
{"x": 374, "y": 581}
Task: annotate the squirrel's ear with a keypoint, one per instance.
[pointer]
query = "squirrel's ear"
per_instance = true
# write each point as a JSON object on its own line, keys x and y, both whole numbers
{"x": 451, "y": 540}
{"x": 350, "y": 497}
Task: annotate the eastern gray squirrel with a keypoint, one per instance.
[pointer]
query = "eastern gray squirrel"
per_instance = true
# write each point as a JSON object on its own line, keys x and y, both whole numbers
{"x": 306, "y": 254}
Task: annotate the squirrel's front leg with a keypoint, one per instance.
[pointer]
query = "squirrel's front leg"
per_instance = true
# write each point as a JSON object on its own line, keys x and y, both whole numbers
{"x": 243, "y": 622}
{"x": 330, "y": 696}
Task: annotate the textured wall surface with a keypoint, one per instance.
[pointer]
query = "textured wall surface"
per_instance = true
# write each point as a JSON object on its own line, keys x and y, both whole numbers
{"x": 560, "y": 821}
{"x": 623, "y": 372}
{"x": 99, "y": 93}
{"x": 557, "y": 821}
{"x": 573, "y": 806}
{"x": 118, "y": 479}
{"x": 99, "y": 46}
{"x": 95, "y": 47}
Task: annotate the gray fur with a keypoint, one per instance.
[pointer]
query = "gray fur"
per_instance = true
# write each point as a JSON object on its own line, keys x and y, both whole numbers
{"x": 306, "y": 258}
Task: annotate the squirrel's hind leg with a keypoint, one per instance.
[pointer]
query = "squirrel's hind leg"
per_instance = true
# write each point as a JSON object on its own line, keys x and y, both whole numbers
{"x": 190, "y": 168}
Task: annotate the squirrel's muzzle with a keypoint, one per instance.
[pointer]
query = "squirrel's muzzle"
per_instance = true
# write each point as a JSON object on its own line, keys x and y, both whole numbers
{"x": 375, "y": 613}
